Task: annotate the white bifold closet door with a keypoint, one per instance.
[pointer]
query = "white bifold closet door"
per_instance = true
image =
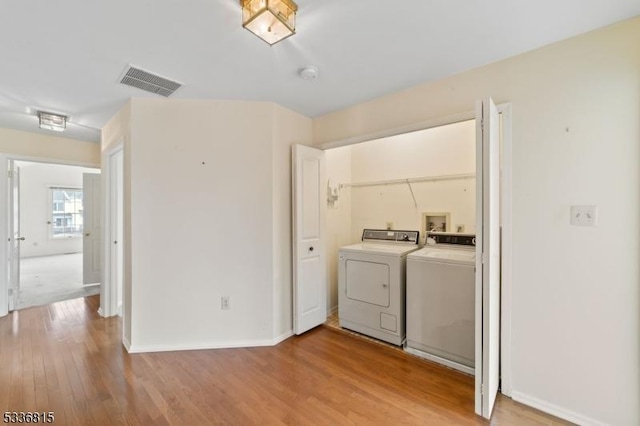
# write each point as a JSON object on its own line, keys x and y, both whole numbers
{"x": 487, "y": 368}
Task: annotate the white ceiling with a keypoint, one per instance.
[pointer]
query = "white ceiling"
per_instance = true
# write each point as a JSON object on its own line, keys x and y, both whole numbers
{"x": 67, "y": 56}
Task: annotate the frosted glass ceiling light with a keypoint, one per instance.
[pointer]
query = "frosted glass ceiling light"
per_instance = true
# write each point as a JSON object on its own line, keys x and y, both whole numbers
{"x": 271, "y": 20}
{"x": 52, "y": 121}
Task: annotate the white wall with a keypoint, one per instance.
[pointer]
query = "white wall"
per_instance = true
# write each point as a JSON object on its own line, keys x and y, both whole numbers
{"x": 208, "y": 206}
{"x": 338, "y": 219}
{"x": 438, "y": 151}
{"x": 45, "y": 146}
{"x": 36, "y": 179}
{"x": 201, "y": 222}
{"x": 576, "y": 140}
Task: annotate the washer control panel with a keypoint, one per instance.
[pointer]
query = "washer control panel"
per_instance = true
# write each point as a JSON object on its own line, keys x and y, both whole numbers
{"x": 450, "y": 238}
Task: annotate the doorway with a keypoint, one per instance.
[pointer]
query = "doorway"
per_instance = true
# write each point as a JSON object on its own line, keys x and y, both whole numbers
{"x": 408, "y": 182}
{"x": 488, "y": 310}
{"x": 52, "y": 214}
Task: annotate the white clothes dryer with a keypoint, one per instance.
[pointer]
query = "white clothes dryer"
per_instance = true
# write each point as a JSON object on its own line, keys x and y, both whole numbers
{"x": 441, "y": 301}
{"x": 371, "y": 283}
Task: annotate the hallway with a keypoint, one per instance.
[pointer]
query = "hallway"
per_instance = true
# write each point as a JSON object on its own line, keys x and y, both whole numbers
{"x": 64, "y": 358}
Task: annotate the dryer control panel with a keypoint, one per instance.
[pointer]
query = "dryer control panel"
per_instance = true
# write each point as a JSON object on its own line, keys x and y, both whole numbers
{"x": 387, "y": 235}
{"x": 450, "y": 238}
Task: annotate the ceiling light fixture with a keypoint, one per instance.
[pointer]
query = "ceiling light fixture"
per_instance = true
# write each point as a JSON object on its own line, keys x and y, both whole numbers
{"x": 51, "y": 121}
{"x": 271, "y": 20}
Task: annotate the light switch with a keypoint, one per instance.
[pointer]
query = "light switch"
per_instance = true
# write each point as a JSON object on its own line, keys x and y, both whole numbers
{"x": 584, "y": 215}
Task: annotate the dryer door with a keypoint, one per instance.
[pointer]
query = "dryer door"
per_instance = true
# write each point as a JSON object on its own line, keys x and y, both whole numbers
{"x": 368, "y": 282}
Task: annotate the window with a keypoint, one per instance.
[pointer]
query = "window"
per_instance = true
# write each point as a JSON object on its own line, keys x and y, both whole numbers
{"x": 66, "y": 208}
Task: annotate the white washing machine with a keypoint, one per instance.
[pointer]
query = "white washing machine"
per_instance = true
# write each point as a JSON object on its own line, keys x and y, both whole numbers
{"x": 371, "y": 283}
{"x": 441, "y": 300}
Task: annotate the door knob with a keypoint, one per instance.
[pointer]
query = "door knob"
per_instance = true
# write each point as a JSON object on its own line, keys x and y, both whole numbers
{"x": 311, "y": 248}
{"x": 87, "y": 234}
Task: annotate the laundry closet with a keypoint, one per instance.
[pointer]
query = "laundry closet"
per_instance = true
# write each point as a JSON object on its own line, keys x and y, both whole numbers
{"x": 420, "y": 181}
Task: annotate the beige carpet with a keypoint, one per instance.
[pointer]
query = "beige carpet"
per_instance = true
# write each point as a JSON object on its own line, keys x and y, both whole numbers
{"x": 50, "y": 279}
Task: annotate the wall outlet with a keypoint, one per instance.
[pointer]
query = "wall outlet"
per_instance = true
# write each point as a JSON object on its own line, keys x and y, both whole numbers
{"x": 225, "y": 303}
{"x": 584, "y": 215}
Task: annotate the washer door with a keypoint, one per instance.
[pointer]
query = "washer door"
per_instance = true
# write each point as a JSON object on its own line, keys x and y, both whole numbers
{"x": 368, "y": 282}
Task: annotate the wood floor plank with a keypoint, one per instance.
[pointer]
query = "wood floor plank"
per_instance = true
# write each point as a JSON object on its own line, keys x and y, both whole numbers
{"x": 65, "y": 358}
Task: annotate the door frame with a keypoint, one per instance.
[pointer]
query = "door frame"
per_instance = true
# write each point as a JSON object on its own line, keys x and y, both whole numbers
{"x": 505, "y": 110}
{"x": 4, "y": 213}
{"x": 108, "y": 291}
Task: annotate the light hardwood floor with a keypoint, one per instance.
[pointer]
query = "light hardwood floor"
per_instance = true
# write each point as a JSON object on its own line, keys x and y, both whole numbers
{"x": 66, "y": 359}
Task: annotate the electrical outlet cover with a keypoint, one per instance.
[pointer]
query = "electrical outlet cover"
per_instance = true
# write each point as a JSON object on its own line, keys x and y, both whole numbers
{"x": 583, "y": 215}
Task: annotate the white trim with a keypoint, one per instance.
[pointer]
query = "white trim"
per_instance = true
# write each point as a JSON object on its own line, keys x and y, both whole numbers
{"x": 413, "y": 127}
{"x": 127, "y": 344}
{"x": 201, "y": 346}
{"x": 506, "y": 194}
{"x": 281, "y": 338}
{"x": 478, "y": 302}
{"x": 4, "y": 235}
{"x": 555, "y": 410}
{"x": 101, "y": 312}
{"x": 333, "y": 310}
{"x": 108, "y": 304}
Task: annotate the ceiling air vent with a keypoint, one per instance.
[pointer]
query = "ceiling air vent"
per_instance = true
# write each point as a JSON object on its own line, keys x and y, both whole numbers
{"x": 144, "y": 80}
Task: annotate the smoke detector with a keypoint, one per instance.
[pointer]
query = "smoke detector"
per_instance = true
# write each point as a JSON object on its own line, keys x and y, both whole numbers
{"x": 310, "y": 72}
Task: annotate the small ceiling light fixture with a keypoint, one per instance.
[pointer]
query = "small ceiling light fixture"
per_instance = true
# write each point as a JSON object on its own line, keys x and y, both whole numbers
{"x": 51, "y": 121}
{"x": 271, "y": 20}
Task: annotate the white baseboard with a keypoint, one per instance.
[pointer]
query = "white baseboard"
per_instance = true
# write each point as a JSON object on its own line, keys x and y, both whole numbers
{"x": 126, "y": 343}
{"x": 213, "y": 345}
{"x": 555, "y": 410}
{"x": 101, "y": 312}
{"x": 282, "y": 337}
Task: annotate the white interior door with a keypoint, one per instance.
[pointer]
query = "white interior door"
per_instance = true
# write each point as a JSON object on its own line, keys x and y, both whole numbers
{"x": 487, "y": 368}
{"x": 116, "y": 229}
{"x": 111, "y": 293}
{"x": 309, "y": 265}
{"x": 92, "y": 240}
{"x": 14, "y": 235}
